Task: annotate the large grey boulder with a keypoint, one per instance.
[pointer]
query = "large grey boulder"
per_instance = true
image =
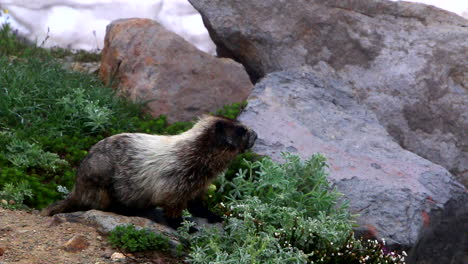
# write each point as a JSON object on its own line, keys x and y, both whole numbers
{"x": 147, "y": 63}
{"x": 393, "y": 190}
{"x": 407, "y": 62}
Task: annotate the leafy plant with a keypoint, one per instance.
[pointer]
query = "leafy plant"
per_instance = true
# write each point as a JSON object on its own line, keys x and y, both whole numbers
{"x": 23, "y": 154}
{"x": 283, "y": 213}
{"x": 13, "y": 195}
{"x": 130, "y": 239}
{"x": 231, "y": 111}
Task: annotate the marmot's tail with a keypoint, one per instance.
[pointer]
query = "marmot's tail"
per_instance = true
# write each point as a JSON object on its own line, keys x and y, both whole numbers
{"x": 64, "y": 206}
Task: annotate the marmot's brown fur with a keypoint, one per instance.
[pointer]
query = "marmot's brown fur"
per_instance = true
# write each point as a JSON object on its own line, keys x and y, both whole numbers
{"x": 132, "y": 171}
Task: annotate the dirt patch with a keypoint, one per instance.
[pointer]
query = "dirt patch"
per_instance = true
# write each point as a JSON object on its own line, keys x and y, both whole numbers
{"x": 27, "y": 238}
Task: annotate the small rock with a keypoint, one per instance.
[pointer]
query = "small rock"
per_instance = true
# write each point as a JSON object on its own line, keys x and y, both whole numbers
{"x": 55, "y": 221}
{"x": 5, "y": 230}
{"x": 116, "y": 256}
{"x": 76, "y": 243}
{"x": 11, "y": 202}
{"x": 4, "y": 202}
{"x": 35, "y": 212}
{"x": 99, "y": 238}
{"x": 86, "y": 67}
{"x": 2, "y": 251}
{"x": 107, "y": 253}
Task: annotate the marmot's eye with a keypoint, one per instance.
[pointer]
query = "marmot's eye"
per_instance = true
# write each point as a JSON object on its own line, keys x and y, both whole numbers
{"x": 240, "y": 131}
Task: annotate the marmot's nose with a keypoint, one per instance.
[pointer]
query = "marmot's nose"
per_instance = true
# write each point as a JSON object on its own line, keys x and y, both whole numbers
{"x": 252, "y": 137}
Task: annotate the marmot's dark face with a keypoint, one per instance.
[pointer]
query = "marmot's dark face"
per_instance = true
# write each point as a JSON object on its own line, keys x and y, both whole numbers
{"x": 234, "y": 135}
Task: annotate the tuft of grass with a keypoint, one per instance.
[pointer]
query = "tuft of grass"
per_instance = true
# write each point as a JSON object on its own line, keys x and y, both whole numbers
{"x": 232, "y": 110}
{"x": 130, "y": 239}
{"x": 9, "y": 44}
{"x": 14, "y": 46}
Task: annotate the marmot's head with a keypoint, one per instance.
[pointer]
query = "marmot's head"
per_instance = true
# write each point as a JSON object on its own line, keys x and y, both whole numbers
{"x": 228, "y": 133}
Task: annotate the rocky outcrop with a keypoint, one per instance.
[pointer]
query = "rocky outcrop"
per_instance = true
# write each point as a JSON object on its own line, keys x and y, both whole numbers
{"x": 407, "y": 62}
{"x": 105, "y": 222}
{"x": 304, "y": 112}
{"x": 147, "y": 63}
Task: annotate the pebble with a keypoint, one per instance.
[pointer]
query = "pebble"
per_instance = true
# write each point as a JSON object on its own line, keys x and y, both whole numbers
{"x": 55, "y": 221}
{"x": 76, "y": 243}
{"x": 116, "y": 256}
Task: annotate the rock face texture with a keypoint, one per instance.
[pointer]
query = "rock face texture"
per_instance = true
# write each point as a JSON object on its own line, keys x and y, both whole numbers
{"x": 105, "y": 222}
{"x": 304, "y": 112}
{"x": 147, "y": 63}
{"x": 407, "y": 62}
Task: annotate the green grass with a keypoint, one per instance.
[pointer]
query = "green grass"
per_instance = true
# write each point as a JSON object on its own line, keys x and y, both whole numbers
{"x": 13, "y": 46}
{"x": 130, "y": 239}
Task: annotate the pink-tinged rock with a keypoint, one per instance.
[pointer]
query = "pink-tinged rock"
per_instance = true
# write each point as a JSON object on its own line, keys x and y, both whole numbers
{"x": 147, "y": 63}
{"x": 392, "y": 189}
{"x": 76, "y": 244}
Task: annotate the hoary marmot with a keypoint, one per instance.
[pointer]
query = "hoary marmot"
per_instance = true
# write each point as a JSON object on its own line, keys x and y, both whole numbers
{"x": 133, "y": 172}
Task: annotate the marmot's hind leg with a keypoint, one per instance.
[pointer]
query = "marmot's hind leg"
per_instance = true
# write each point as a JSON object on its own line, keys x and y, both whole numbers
{"x": 81, "y": 199}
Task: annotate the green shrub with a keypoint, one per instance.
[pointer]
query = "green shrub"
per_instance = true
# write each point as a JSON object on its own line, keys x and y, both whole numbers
{"x": 219, "y": 190}
{"x": 231, "y": 111}
{"x": 130, "y": 239}
{"x": 282, "y": 213}
{"x": 12, "y": 195}
{"x": 23, "y": 154}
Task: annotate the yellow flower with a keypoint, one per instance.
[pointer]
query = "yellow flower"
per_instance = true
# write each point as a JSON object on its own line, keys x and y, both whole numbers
{"x": 5, "y": 11}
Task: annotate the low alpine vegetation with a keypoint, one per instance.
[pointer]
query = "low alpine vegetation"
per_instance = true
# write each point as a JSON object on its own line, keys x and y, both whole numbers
{"x": 283, "y": 213}
{"x": 12, "y": 195}
{"x": 130, "y": 239}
